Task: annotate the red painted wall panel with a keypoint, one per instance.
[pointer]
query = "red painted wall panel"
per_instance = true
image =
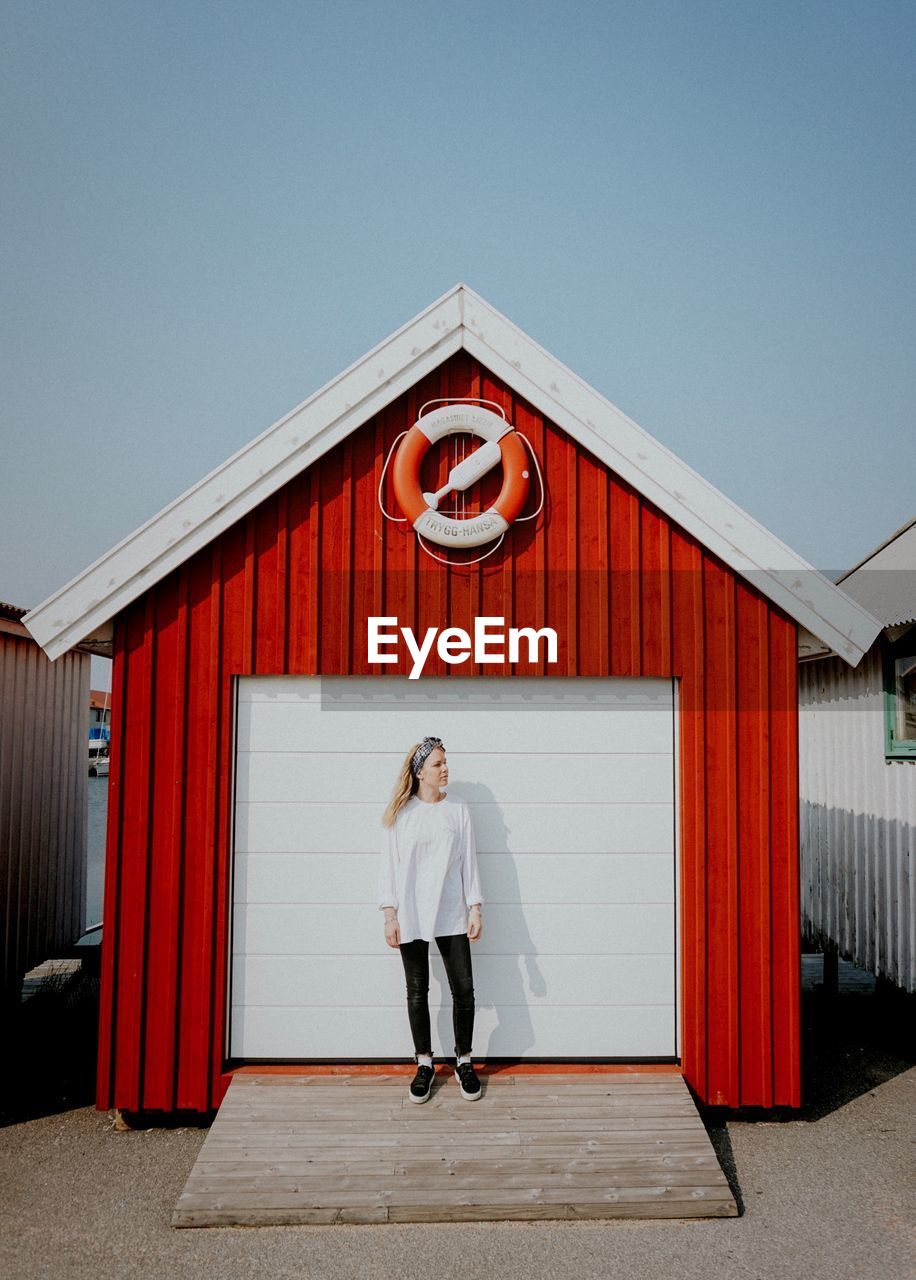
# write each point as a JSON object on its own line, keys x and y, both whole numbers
{"x": 287, "y": 590}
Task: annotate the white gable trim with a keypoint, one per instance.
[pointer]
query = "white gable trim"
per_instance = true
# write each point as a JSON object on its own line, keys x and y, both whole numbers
{"x": 246, "y": 479}
{"x": 459, "y": 319}
{"x": 654, "y": 471}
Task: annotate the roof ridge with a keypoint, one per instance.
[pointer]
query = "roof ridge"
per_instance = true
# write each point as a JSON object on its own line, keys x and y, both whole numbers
{"x": 460, "y": 319}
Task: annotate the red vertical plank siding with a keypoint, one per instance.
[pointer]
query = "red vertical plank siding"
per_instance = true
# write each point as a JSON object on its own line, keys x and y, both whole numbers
{"x": 344, "y": 661}
{"x": 287, "y": 590}
{"x": 220, "y": 692}
{"x": 625, "y": 587}
{"x": 132, "y": 889}
{"x": 327, "y": 470}
{"x": 247, "y": 610}
{"x": 534, "y": 549}
{"x": 688, "y": 657}
{"x": 368, "y": 457}
{"x": 165, "y": 823}
{"x": 655, "y": 592}
{"x": 591, "y": 554}
{"x": 476, "y": 385}
{"x": 752, "y": 689}
{"x": 282, "y": 572}
{"x": 560, "y": 478}
{"x": 303, "y": 607}
{"x": 194, "y": 1038}
{"x": 267, "y": 585}
{"x": 335, "y": 534}
{"x": 721, "y": 835}
{"x": 495, "y": 572}
{"x": 784, "y": 905}
{"x": 235, "y": 659}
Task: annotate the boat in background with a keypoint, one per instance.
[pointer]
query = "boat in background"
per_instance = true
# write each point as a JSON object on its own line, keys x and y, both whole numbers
{"x": 99, "y": 738}
{"x": 98, "y": 758}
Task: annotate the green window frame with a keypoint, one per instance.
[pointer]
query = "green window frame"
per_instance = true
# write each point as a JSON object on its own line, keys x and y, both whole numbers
{"x": 900, "y": 697}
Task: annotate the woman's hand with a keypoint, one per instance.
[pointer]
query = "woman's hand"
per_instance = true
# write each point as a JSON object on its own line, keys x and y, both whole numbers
{"x": 393, "y": 932}
{"x": 475, "y": 924}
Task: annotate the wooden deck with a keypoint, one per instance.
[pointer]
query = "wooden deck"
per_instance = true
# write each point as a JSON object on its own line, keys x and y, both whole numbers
{"x": 353, "y": 1148}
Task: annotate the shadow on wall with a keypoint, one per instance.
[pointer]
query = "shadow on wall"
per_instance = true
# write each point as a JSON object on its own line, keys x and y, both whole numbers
{"x": 857, "y": 885}
{"x": 514, "y": 991}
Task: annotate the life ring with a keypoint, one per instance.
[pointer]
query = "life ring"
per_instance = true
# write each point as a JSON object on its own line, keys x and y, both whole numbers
{"x": 405, "y": 475}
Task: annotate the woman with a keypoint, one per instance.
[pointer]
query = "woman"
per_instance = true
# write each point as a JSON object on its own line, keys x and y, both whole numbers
{"x": 429, "y": 887}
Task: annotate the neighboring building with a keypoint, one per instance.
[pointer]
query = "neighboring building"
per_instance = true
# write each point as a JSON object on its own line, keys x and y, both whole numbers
{"x": 44, "y": 712}
{"x": 634, "y": 795}
{"x": 857, "y": 745}
{"x": 99, "y": 714}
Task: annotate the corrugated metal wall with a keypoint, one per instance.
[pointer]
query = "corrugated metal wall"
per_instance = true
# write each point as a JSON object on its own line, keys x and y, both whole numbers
{"x": 858, "y": 820}
{"x": 288, "y": 590}
{"x": 44, "y": 772}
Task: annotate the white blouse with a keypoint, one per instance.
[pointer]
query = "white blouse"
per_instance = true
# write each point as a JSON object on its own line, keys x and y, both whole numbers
{"x": 428, "y": 868}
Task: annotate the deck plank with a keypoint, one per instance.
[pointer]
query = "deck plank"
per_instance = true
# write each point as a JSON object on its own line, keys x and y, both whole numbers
{"x": 326, "y": 1149}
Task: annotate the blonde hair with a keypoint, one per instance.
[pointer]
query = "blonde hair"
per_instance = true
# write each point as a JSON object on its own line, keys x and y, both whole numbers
{"x": 406, "y": 786}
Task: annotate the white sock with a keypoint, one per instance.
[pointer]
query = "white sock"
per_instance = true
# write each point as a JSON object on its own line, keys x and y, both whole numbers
{"x": 465, "y": 1057}
{"x": 425, "y": 1058}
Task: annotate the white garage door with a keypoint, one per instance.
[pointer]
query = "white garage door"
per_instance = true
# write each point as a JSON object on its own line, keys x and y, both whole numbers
{"x": 570, "y": 784}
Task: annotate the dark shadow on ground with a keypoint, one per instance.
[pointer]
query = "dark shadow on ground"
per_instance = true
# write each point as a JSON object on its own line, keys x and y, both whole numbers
{"x": 49, "y": 1063}
{"x": 852, "y": 1042}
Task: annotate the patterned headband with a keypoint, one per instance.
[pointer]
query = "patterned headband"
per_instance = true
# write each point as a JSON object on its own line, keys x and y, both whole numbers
{"x": 422, "y": 751}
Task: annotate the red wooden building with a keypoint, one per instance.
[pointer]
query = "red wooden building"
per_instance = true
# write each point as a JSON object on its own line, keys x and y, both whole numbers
{"x": 635, "y": 799}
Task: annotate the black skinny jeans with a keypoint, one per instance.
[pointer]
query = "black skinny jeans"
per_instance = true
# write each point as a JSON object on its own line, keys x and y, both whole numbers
{"x": 455, "y": 950}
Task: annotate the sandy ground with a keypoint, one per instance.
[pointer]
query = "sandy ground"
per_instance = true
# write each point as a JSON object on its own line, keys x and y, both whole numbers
{"x": 830, "y": 1196}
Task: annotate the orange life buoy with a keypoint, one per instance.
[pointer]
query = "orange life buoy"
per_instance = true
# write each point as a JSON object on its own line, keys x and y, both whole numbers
{"x": 418, "y": 507}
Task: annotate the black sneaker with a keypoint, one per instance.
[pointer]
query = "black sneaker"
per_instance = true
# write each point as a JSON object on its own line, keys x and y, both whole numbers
{"x": 470, "y": 1085}
{"x": 422, "y": 1083}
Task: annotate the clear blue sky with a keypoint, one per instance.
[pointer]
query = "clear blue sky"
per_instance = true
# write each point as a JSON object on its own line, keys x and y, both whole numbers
{"x": 208, "y": 210}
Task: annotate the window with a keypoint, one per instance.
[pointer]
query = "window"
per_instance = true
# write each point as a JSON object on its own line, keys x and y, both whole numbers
{"x": 900, "y": 697}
